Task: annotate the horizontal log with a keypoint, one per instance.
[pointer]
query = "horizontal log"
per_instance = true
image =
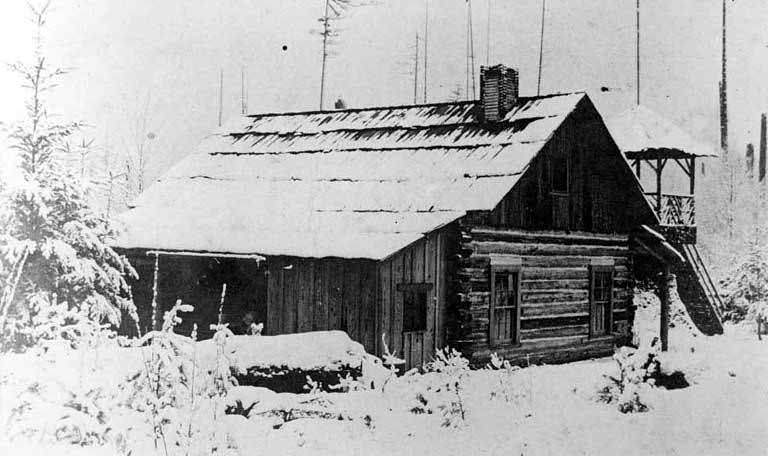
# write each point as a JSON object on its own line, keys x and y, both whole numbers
{"x": 543, "y": 273}
{"x": 547, "y": 237}
{"x": 549, "y": 350}
{"x": 498, "y": 247}
{"x": 557, "y": 315}
{"x": 476, "y": 261}
{"x": 553, "y": 296}
{"x": 573, "y": 319}
{"x": 558, "y": 331}
{"x": 566, "y": 261}
{"x": 550, "y": 284}
{"x": 478, "y": 266}
{"x": 566, "y": 342}
{"x": 554, "y": 309}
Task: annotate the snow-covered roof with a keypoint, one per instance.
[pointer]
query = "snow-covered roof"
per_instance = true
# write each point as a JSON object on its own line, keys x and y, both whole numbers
{"x": 641, "y": 129}
{"x": 355, "y": 183}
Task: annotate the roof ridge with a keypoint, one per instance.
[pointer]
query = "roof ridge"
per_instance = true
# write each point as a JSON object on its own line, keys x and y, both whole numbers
{"x": 401, "y": 106}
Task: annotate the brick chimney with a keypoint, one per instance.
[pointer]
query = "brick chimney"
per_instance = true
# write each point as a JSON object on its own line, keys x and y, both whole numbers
{"x": 499, "y": 90}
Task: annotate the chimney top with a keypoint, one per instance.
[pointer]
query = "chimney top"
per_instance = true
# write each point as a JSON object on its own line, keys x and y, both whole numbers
{"x": 499, "y": 91}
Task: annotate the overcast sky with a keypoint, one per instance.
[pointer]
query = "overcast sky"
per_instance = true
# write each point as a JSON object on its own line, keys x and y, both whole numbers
{"x": 163, "y": 57}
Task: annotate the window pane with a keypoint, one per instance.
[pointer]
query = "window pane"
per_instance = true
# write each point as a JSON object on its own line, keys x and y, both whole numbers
{"x": 503, "y": 308}
{"x": 601, "y": 304}
{"x": 603, "y": 286}
{"x": 501, "y": 288}
{"x": 559, "y": 170}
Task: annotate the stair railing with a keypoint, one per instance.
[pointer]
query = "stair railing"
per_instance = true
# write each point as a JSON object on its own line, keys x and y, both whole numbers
{"x": 705, "y": 279}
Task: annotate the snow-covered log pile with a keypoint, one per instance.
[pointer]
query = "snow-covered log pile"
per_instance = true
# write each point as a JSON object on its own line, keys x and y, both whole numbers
{"x": 255, "y": 402}
{"x": 283, "y": 363}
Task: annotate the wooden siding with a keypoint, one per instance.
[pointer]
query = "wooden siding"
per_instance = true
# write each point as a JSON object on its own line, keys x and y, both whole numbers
{"x": 322, "y": 294}
{"x": 424, "y": 261}
{"x": 554, "y": 292}
{"x": 603, "y": 195}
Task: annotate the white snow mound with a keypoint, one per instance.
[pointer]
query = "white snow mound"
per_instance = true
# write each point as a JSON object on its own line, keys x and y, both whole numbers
{"x": 318, "y": 350}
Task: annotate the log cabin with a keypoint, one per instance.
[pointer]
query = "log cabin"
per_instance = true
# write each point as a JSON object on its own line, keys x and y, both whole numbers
{"x": 508, "y": 224}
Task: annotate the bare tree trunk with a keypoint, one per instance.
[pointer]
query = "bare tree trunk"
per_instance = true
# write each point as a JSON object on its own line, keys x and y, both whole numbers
{"x": 325, "y": 53}
{"x": 10, "y": 291}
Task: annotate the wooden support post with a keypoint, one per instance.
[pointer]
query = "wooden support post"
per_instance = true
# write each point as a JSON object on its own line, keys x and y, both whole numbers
{"x": 692, "y": 175}
{"x": 658, "y": 186}
{"x": 664, "y": 298}
{"x": 637, "y": 168}
{"x": 154, "y": 326}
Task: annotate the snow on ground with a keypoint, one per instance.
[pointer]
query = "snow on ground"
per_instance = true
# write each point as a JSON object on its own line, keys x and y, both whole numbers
{"x": 540, "y": 410}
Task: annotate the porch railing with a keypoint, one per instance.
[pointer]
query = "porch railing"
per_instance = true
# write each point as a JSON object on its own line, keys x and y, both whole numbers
{"x": 674, "y": 209}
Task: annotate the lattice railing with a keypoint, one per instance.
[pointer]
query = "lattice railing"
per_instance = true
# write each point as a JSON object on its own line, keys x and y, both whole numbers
{"x": 675, "y": 209}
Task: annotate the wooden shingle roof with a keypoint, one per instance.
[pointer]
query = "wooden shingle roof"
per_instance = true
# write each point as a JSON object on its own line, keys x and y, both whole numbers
{"x": 356, "y": 183}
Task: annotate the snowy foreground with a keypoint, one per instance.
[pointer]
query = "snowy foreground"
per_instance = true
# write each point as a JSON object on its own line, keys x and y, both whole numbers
{"x": 540, "y": 410}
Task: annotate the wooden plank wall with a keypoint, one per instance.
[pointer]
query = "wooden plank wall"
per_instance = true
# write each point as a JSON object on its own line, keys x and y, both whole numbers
{"x": 323, "y": 294}
{"x": 554, "y": 292}
{"x": 422, "y": 262}
{"x": 603, "y": 193}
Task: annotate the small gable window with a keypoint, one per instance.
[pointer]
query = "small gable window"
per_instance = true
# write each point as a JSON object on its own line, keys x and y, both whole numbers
{"x": 558, "y": 172}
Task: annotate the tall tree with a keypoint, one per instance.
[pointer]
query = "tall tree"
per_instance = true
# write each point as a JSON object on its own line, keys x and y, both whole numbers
{"x": 59, "y": 275}
{"x": 329, "y": 32}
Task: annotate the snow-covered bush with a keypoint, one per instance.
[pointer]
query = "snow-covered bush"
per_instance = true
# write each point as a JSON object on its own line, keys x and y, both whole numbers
{"x": 638, "y": 369}
{"x": 54, "y": 413}
{"x": 390, "y": 361}
{"x": 442, "y": 388}
{"x": 506, "y": 372}
{"x": 59, "y": 394}
{"x": 159, "y": 390}
{"x": 745, "y": 290}
{"x": 181, "y": 395}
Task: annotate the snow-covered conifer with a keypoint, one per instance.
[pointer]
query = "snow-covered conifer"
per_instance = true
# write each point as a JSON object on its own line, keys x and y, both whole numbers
{"x": 54, "y": 248}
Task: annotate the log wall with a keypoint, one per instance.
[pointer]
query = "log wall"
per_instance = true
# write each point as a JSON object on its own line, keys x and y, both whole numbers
{"x": 554, "y": 293}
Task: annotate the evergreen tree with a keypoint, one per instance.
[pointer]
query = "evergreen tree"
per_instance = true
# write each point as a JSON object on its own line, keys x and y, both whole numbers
{"x": 746, "y": 288}
{"x": 59, "y": 275}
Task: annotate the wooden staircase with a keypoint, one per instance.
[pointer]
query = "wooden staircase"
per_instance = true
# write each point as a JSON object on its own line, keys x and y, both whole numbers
{"x": 698, "y": 292}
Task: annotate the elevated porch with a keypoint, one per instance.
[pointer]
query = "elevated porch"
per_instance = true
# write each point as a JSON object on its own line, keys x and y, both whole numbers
{"x": 676, "y": 212}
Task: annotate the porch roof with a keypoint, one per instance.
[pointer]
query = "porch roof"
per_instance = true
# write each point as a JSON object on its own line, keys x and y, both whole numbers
{"x": 642, "y": 133}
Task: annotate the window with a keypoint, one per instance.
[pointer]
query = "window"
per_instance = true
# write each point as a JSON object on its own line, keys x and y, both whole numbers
{"x": 415, "y": 296}
{"x": 504, "y": 318}
{"x": 558, "y": 171}
{"x": 601, "y": 302}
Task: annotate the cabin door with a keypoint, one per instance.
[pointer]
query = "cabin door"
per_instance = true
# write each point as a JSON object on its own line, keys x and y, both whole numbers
{"x": 417, "y": 327}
